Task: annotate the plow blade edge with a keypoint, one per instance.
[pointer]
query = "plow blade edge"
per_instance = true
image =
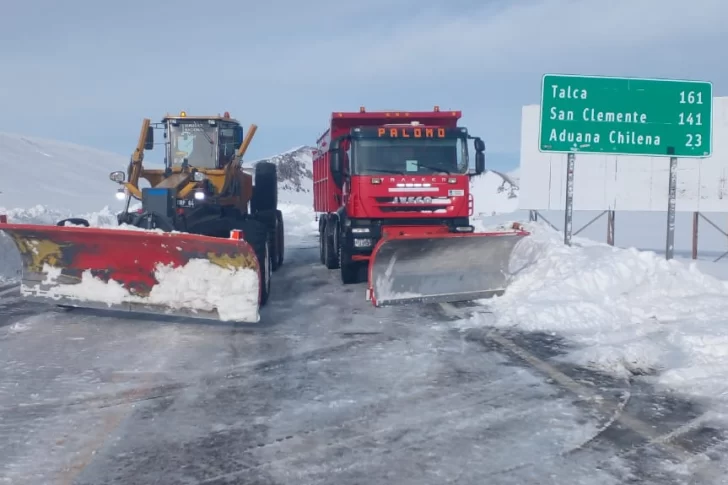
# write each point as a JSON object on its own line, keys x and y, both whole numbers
{"x": 447, "y": 268}
{"x": 139, "y": 271}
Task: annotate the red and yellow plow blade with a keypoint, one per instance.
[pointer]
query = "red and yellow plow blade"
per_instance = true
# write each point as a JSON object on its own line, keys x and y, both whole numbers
{"x": 441, "y": 267}
{"x": 139, "y": 271}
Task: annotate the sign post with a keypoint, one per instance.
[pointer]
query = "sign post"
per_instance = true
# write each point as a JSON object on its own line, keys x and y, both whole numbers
{"x": 625, "y": 116}
{"x": 671, "y": 199}
{"x": 568, "y": 211}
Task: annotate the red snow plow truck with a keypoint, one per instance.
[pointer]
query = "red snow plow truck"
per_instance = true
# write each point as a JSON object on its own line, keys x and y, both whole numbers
{"x": 392, "y": 195}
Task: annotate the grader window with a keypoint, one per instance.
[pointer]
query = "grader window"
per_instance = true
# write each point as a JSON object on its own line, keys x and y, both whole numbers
{"x": 226, "y": 144}
{"x": 196, "y": 142}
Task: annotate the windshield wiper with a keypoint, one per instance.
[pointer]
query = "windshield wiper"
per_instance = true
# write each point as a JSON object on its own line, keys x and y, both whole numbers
{"x": 435, "y": 169}
{"x": 209, "y": 138}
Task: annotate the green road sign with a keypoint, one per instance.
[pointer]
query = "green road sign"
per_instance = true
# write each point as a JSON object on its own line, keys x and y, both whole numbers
{"x": 626, "y": 116}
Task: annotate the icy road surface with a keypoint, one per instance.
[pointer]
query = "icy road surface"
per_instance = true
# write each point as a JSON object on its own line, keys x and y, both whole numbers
{"x": 325, "y": 390}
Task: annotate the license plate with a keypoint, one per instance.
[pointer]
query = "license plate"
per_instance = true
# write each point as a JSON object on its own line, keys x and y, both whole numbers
{"x": 185, "y": 203}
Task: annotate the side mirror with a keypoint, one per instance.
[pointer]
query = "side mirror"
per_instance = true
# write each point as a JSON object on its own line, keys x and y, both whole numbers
{"x": 238, "y": 136}
{"x": 479, "y": 145}
{"x": 149, "y": 141}
{"x": 479, "y": 162}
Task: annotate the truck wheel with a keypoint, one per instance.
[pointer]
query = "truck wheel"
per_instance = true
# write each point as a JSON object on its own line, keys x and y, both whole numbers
{"x": 322, "y": 238}
{"x": 274, "y": 223}
{"x": 331, "y": 259}
{"x": 281, "y": 242}
{"x": 349, "y": 268}
{"x": 256, "y": 234}
{"x": 265, "y": 191}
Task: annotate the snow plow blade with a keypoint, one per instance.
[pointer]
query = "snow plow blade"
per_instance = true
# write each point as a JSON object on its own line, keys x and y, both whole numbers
{"x": 441, "y": 268}
{"x": 138, "y": 271}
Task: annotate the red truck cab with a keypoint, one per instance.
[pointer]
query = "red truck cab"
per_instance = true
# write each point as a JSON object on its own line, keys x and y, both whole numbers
{"x": 379, "y": 173}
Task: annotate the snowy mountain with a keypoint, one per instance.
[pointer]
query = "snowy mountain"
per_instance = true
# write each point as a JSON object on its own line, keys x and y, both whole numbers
{"x": 295, "y": 174}
{"x": 51, "y": 173}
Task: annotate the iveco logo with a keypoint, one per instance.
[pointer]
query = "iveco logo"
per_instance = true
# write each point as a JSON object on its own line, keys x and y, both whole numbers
{"x": 412, "y": 200}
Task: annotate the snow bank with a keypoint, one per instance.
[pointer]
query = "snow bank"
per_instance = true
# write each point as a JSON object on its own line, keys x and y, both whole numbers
{"x": 40, "y": 214}
{"x": 299, "y": 222}
{"x": 632, "y": 312}
{"x": 199, "y": 285}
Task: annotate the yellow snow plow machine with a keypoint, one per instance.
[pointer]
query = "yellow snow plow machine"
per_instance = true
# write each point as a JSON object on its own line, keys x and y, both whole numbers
{"x": 203, "y": 243}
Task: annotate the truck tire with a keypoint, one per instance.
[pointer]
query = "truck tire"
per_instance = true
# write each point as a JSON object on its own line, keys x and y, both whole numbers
{"x": 265, "y": 191}
{"x": 349, "y": 269}
{"x": 274, "y": 223}
{"x": 331, "y": 258}
{"x": 322, "y": 238}
{"x": 281, "y": 243}
{"x": 257, "y": 235}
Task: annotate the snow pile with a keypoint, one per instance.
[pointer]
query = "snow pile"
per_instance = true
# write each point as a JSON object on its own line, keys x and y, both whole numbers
{"x": 40, "y": 214}
{"x": 299, "y": 222}
{"x": 199, "y": 285}
{"x": 632, "y": 312}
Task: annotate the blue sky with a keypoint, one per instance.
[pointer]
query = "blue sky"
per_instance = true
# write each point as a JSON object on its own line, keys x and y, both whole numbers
{"x": 88, "y": 71}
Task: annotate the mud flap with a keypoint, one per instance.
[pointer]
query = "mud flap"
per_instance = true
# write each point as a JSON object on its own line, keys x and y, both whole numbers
{"x": 441, "y": 268}
{"x": 139, "y": 271}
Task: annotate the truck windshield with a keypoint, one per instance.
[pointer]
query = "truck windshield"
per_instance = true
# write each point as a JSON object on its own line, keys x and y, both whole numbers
{"x": 194, "y": 141}
{"x": 409, "y": 156}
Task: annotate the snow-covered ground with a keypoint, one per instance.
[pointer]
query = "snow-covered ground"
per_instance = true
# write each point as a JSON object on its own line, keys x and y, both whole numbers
{"x": 631, "y": 311}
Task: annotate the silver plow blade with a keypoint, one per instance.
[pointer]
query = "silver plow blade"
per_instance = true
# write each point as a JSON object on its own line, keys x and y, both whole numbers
{"x": 441, "y": 269}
